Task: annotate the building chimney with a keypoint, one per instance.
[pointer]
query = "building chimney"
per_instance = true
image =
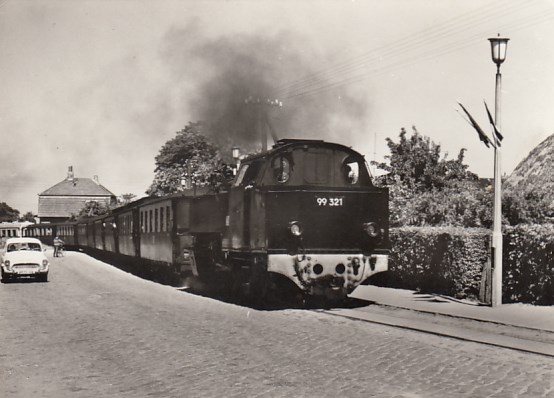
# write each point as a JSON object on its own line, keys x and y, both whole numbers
{"x": 95, "y": 178}
{"x": 70, "y": 173}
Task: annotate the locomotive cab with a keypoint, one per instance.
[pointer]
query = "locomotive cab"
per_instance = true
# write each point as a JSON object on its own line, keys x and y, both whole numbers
{"x": 308, "y": 210}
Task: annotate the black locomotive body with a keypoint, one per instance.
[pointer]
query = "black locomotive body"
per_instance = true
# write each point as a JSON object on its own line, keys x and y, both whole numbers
{"x": 305, "y": 211}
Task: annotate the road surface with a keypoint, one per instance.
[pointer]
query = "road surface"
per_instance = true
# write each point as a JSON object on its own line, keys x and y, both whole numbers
{"x": 95, "y": 331}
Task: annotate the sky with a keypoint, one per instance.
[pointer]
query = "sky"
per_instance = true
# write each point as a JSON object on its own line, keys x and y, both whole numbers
{"x": 101, "y": 85}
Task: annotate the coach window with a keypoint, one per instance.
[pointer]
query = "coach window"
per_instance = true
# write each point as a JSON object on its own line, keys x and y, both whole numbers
{"x": 150, "y": 218}
{"x": 168, "y": 217}
{"x": 156, "y": 225}
{"x": 162, "y": 224}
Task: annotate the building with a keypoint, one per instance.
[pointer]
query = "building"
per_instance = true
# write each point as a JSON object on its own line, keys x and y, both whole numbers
{"x": 69, "y": 196}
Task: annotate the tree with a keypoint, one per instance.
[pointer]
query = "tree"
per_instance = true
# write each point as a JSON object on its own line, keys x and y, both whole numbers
{"x": 416, "y": 162}
{"x": 189, "y": 156}
{"x": 7, "y": 213}
{"x": 531, "y": 206}
{"x": 27, "y": 217}
{"x": 427, "y": 188}
{"x": 92, "y": 208}
{"x": 125, "y": 199}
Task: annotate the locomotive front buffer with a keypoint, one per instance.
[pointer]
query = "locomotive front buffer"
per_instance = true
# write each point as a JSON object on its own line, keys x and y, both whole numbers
{"x": 328, "y": 275}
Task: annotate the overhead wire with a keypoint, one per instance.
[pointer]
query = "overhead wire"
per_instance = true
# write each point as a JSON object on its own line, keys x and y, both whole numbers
{"x": 416, "y": 41}
{"x": 431, "y": 48}
{"x": 421, "y": 38}
{"x": 430, "y": 53}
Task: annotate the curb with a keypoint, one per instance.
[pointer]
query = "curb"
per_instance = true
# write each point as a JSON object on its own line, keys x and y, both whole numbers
{"x": 457, "y": 332}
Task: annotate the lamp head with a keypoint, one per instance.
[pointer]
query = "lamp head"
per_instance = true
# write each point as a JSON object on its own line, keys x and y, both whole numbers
{"x": 499, "y": 45}
{"x": 236, "y": 152}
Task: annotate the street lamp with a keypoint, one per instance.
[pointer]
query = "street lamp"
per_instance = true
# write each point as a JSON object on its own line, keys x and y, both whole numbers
{"x": 499, "y": 46}
{"x": 236, "y": 155}
{"x": 235, "y": 152}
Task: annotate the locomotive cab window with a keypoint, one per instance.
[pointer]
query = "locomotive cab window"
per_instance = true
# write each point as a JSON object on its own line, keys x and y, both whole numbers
{"x": 318, "y": 166}
{"x": 240, "y": 176}
{"x": 350, "y": 171}
{"x": 248, "y": 174}
{"x": 281, "y": 166}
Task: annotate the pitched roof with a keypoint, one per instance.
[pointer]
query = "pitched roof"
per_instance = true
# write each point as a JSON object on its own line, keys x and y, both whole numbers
{"x": 63, "y": 207}
{"x": 77, "y": 187}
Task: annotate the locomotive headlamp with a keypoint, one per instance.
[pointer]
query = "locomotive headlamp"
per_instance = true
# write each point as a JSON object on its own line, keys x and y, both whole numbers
{"x": 372, "y": 229}
{"x": 295, "y": 228}
{"x": 186, "y": 255}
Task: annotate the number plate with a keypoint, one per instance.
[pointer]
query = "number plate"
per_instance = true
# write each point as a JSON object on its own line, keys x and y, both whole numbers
{"x": 329, "y": 201}
{"x": 25, "y": 270}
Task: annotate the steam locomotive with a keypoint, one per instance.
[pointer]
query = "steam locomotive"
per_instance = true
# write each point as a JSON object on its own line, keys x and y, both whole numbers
{"x": 303, "y": 214}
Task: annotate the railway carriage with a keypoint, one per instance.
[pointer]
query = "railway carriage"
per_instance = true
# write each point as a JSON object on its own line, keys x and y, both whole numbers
{"x": 13, "y": 229}
{"x": 45, "y": 232}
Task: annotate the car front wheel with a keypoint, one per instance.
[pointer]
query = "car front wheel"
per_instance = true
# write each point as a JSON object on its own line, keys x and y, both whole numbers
{"x": 5, "y": 278}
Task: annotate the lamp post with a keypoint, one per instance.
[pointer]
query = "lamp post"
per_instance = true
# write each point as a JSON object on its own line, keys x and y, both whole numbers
{"x": 498, "y": 51}
{"x": 236, "y": 155}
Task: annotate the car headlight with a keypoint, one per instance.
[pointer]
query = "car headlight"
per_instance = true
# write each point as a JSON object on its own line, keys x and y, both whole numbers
{"x": 44, "y": 262}
{"x": 295, "y": 228}
{"x": 7, "y": 264}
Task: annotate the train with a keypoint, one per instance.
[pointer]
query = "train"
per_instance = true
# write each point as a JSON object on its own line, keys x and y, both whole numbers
{"x": 12, "y": 229}
{"x": 303, "y": 216}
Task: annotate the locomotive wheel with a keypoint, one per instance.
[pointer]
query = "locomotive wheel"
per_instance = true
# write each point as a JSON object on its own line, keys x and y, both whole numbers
{"x": 259, "y": 287}
{"x": 258, "y": 283}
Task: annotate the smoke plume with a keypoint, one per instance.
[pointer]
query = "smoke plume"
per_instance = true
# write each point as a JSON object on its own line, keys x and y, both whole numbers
{"x": 235, "y": 77}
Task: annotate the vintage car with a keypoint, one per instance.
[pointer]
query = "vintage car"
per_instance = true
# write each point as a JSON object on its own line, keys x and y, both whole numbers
{"x": 23, "y": 257}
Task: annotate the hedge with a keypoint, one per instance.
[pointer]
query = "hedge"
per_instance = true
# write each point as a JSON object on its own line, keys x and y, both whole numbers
{"x": 529, "y": 264}
{"x": 445, "y": 260}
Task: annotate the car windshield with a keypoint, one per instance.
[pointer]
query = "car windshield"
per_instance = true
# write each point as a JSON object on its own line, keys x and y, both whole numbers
{"x": 20, "y": 246}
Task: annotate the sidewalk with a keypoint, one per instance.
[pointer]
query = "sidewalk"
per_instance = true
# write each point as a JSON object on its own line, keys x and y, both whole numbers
{"x": 520, "y": 315}
{"x": 520, "y": 327}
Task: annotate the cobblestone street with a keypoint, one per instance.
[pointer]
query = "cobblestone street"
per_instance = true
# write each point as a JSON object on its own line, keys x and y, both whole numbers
{"x": 95, "y": 331}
